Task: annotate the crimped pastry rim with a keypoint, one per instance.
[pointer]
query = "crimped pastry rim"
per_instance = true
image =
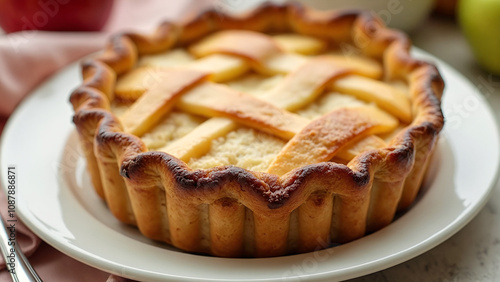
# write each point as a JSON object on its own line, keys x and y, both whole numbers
{"x": 262, "y": 192}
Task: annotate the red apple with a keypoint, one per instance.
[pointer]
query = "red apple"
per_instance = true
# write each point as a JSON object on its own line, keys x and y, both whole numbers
{"x": 54, "y": 15}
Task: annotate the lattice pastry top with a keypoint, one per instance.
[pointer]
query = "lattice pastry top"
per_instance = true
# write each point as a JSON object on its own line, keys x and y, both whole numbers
{"x": 275, "y": 132}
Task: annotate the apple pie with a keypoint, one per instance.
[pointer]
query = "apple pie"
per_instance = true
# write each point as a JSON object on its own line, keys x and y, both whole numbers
{"x": 283, "y": 130}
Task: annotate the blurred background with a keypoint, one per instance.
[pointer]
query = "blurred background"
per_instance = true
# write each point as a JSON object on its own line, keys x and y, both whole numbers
{"x": 463, "y": 33}
{"x": 478, "y": 20}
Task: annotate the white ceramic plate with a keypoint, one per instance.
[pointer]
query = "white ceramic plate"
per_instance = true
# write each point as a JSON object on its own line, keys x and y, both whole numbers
{"x": 56, "y": 201}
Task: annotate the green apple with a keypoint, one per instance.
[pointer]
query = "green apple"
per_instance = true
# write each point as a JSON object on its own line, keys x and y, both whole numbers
{"x": 480, "y": 22}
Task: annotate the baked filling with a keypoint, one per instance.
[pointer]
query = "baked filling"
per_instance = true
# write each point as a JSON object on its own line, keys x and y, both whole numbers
{"x": 280, "y": 131}
{"x": 284, "y": 73}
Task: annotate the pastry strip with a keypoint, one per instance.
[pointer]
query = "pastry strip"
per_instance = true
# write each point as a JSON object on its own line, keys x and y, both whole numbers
{"x": 324, "y": 137}
{"x": 300, "y": 44}
{"x": 197, "y": 142}
{"x": 253, "y": 46}
{"x": 131, "y": 85}
{"x": 385, "y": 96}
{"x": 305, "y": 84}
{"x": 158, "y": 100}
{"x": 221, "y": 67}
{"x": 210, "y": 99}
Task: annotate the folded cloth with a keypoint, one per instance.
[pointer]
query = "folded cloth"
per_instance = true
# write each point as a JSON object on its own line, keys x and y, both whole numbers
{"x": 28, "y": 58}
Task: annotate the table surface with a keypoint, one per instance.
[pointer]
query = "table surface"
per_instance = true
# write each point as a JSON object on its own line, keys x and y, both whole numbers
{"x": 473, "y": 254}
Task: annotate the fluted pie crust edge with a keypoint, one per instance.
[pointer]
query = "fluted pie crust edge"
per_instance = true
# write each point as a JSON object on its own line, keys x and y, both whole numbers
{"x": 232, "y": 212}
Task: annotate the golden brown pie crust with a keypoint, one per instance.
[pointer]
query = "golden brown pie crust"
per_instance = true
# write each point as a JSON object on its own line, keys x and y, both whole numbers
{"x": 232, "y": 212}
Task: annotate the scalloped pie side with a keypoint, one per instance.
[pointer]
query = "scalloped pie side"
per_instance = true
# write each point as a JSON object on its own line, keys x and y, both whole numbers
{"x": 280, "y": 131}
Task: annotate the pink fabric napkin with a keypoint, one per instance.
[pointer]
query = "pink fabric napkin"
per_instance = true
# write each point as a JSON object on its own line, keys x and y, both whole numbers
{"x": 27, "y": 58}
